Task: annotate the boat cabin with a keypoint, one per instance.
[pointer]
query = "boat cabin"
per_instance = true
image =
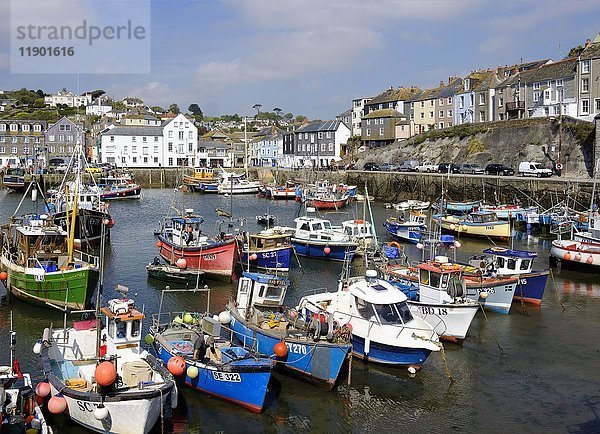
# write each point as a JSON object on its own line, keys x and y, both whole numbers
{"x": 315, "y": 228}
{"x": 267, "y": 240}
{"x": 187, "y": 230}
{"x": 594, "y": 224}
{"x": 41, "y": 244}
{"x": 508, "y": 261}
{"x": 204, "y": 173}
{"x": 417, "y": 218}
{"x": 378, "y": 301}
{"x": 260, "y": 290}
{"x": 440, "y": 281}
{"x": 357, "y": 229}
{"x": 123, "y": 326}
{"x": 483, "y": 217}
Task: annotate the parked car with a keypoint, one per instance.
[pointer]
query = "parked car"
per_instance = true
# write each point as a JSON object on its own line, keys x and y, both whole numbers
{"x": 427, "y": 167}
{"x": 498, "y": 169}
{"x": 533, "y": 168}
{"x": 408, "y": 166}
{"x": 94, "y": 168}
{"x": 371, "y": 166}
{"x": 387, "y": 167}
{"x": 448, "y": 168}
{"x": 61, "y": 168}
{"x": 471, "y": 168}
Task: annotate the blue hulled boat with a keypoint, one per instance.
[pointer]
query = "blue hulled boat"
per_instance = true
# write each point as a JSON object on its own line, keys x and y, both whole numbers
{"x": 198, "y": 346}
{"x": 409, "y": 230}
{"x": 516, "y": 263}
{"x": 269, "y": 249}
{"x": 314, "y": 237}
{"x": 314, "y": 351}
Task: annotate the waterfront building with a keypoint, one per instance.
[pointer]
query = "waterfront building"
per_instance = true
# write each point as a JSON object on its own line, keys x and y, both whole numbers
{"x": 358, "y": 106}
{"x": 319, "y": 144}
{"x": 140, "y": 119}
{"x": 64, "y": 97}
{"x": 212, "y": 153}
{"x": 485, "y": 97}
{"x": 464, "y": 103}
{"x": 391, "y": 99}
{"x": 98, "y": 108}
{"x": 289, "y": 149}
{"x": 445, "y": 103}
{"x": 424, "y": 109}
{"x": 588, "y": 70}
{"x": 379, "y": 127}
{"x": 20, "y": 141}
{"x": 172, "y": 144}
{"x": 61, "y": 138}
{"x": 267, "y": 148}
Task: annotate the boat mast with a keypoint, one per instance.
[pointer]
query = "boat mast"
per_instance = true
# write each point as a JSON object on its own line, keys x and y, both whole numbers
{"x": 100, "y": 289}
{"x": 73, "y": 217}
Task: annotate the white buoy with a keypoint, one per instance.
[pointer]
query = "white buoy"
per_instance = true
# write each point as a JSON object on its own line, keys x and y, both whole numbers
{"x": 412, "y": 370}
{"x": 100, "y": 412}
{"x": 484, "y": 294}
{"x": 457, "y": 244}
{"x": 225, "y": 317}
{"x": 34, "y": 195}
{"x": 37, "y": 347}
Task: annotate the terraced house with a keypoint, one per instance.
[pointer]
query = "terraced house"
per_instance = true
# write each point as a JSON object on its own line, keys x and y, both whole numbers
{"x": 424, "y": 110}
{"x": 464, "y": 103}
{"x": 379, "y": 127}
{"x": 62, "y": 137}
{"x": 20, "y": 141}
{"x": 485, "y": 96}
{"x": 319, "y": 144}
{"x": 588, "y": 69}
{"x": 445, "y": 103}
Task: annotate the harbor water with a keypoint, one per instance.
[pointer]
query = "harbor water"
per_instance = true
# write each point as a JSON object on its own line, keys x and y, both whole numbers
{"x": 533, "y": 370}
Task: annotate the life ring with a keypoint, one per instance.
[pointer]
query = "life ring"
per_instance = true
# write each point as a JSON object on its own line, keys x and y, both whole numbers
{"x": 498, "y": 249}
{"x": 394, "y": 244}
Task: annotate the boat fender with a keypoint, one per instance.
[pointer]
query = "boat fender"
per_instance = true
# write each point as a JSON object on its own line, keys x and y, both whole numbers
{"x": 174, "y": 396}
{"x": 330, "y": 328}
{"x": 46, "y": 337}
{"x": 315, "y": 328}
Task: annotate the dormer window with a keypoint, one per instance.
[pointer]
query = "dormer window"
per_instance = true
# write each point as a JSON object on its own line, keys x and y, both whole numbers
{"x": 467, "y": 83}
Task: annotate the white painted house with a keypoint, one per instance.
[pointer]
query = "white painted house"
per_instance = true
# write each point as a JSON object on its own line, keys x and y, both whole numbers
{"x": 65, "y": 97}
{"x": 173, "y": 144}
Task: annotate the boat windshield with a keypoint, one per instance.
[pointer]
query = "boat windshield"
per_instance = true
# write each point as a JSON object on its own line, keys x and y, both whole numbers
{"x": 326, "y": 225}
{"x": 385, "y": 314}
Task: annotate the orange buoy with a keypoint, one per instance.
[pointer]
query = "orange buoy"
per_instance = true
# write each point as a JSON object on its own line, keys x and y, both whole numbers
{"x": 280, "y": 349}
{"x": 578, "y": 257}
{"x": 42, "y": 389}
{"x": 159, "y": 244}
{"x": 176, "y": 365}
{"x": 590, "y": 259}
{"x": 253, "y": 257}
{"x": 57, "y": 404}
{"x": 567, "y": 256}
{"x": 3, "y": 275}
{"x": 327, "y": 250}
{"x": 105, "y": 374}
{"x": 111, "y": 222}
{"x": 359, "y": 222}
{"x": 181, "y": 263}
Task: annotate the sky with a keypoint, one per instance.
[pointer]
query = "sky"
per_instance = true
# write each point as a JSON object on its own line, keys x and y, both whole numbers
{"x": 312, "y": 57}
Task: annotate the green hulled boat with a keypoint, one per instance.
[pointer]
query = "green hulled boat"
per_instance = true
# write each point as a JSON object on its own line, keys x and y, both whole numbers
{"x": 41, "y": 265}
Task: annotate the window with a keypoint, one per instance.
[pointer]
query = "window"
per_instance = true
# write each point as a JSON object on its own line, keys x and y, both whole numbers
{"x": 536, "y": 96}
{"x": 145, "y": 159}
{"x": 368, "y": 121}
{"x": 144, "y": 139}
{"x": 559, "y": 82}
{"x": 585, "y": 66}
{"x": 2, "y": 149}
{"x": 156, "y": 149}
{"x": 560, "y": 94}
{"x": 134, "y": 149}
{"x": 585, "y": 85}
{"x": 536, "y": 86}
{"x": 170, "y": 161}
{"x": 133, "y": 139}
{"x": 156, "y": 159}
{"x": 190, "y": 134}
{"x": 125, "y": 150}
{"x": 170, "y": 147}
{"x": 14, "y": 127}
{"x": 190, "y": 147}
{"x": 170, "y": 134}
{"x": 441, "y": 101}
{"x": 547, "y": 95}
{"x": 556, "y": 110}
{"x": 585, "y": 106}
{"x": 25, "y": 128}
{"x": 156, "y": 138}
{"x": 328, "y": 135}
{"x": 450, "y": 113}
{"x": 430, "y": 114}
{"x": 1, "y": 139}
{"x": 180, "y": 135}
{"x": 381, "y": 131}
{"x": 134, "y": 159}
{"x": 13, "y": 150}
{"x": 449, "y": 100}
{"x": 312, "y": 138}
{"x": 25, "y": 139}
{"x": 471, "y": 99}
{"x": 481, "y": 98}
{"x": 26, "y": 150}
{"x": 2, "y": 127}
{"x": 320, "y": 135}
{"x": 323, "y": 147}
{"x": 422, "y": 115}
{"x": 14, "y": 140}
{"x": 112, "y": 138}
{"x": 500, "y": 102}
{"x": 597, "y": 104}
{"x": 441, "y": 125}
{"x": 461, "y": 102}
{"x": 175, "y": 124}
{"x": 331, "y": 147}
{"x": 422, "y": 103}
{"x": 441, "y": 113}
{"x": 368, "y": 132}
{"x": 431, "y": 103}
{"x": 145, "y": 150}
{"x": 481, "y": 116}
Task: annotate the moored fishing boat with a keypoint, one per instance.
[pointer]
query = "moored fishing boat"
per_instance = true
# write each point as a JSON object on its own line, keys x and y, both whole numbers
{"x": 172, "y": 273}
{"x": 314, "y": 350}
{"x": 519, "y": 263}
{"x": 315, "y": 238}
{"x": 41, "y": 264}
{"x": 234, "y": 183}
{"x": 325, "y": 201}
{"x": 461, "y": 207}
{"x": 199, "y": 348}
{"x": 184, "y": 246}
{"x": 509, "y": 211}
{"x": 360, "y": 231}
{"x": 14, "y": 179}
{"x": 270, "y": 249}
{"x": 576, "y": 253}
{"x": 410, "y": 230}
{"x": 202, "y": 176}
{"x": 101, "y": 377}
{"x": 441, "y": 300}
{"x": 113, "y": 188}
{"x": 265, "y": 219}
{"x": 282, "y": 192}
{"x": 476, "y": 224}
{"x": 412, "y": 205}
{"x": 383, "y": 328}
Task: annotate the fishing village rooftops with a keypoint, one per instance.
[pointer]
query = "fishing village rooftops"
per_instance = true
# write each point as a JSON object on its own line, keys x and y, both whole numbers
{"x": 319, "y": 126}
{"x": 384, "y": 113}
{"x": 561, "y": 69}
{"x": 399, "y": 94}
{"x": 591, "y": 49}
{"x": 133, "y": 131}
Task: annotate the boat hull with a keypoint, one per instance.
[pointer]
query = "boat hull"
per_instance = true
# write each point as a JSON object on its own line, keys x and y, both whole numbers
{"x": 122, "y": 193}
{"x": 405, "y": 232}
{"x": 245, "y": 388}
{"x": 315, "y": 362}
{"x": 36, "y": 287}
{"x": 314, "y": 249}
{"x": 277, "y": 259}
{"x": 216, "y": 260}
{"x": 497, "y": 229}
{"x": 531, "y": 286}
{"x": 496, "y": 297}
{"x": 387, "y": 354}
{"x": 450, "y": 322}
{"x": 577, "y": 254}
{"x": 88, "y": 227}
{"x": 327, "y": 203}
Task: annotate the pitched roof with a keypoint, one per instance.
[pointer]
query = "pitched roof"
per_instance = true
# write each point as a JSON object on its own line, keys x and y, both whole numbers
{"x": 211, "y": 144}
{"x": 452, "y": 88}
{"x": 384, "y": 113}
{"x": 400, "y": 94}
{"x": 319, "y": 126}
{"x": 562, "y": 69}
{"x": 133, "y": 131}
{"x": 592, "y": 51}
{"x": 488, "y": 82}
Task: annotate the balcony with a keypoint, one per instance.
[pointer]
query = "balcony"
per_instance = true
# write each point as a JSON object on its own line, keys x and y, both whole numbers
{"x": 515, "y": 105}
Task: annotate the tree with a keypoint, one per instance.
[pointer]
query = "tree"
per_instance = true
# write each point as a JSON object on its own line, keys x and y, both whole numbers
{"x": 157, "y": 109}
{"x": 174, "y": 108}
{"x": 257, "y": 107}
{"x": 196, "y": 111}
{"x": 277, "y": 111}
{"x": 575, "y": 51}
{"x": 97, "y": 93}
{"x": 40, "y": 93}
{"x": 288, "y": 116}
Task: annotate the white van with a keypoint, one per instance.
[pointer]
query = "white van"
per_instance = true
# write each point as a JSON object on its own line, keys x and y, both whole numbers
{"x": 532, "y": 168}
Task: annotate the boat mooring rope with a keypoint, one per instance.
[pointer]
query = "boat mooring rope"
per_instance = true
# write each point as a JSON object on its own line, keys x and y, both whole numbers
{"x": 523, "y": 307}
{"x": 494, "y": 333}
{"x": 442, "y": 353}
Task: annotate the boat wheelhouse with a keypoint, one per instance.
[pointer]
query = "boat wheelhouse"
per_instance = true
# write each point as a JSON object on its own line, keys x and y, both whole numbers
{"x": 314, "y": 237}
{"x": 14, "y": 179}
{"x": 410, "y": 230}
{"x": 270, "y": 249}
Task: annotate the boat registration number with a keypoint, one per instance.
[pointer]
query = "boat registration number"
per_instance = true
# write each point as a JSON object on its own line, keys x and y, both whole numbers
{"x": 232, "y": 377}
{"x": 297, "y": 348}
{"x": 209, "y": 257}
{"x": 489, "y": 290}
{"x": 40, "y": 278}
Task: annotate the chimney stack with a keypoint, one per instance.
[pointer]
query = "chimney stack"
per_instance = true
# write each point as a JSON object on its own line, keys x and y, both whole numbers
{"x": 441, "y": 83}
{"x": 587, "y": 43}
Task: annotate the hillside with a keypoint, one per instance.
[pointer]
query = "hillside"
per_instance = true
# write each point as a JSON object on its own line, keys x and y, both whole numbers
{"x": 507, "y": 142}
